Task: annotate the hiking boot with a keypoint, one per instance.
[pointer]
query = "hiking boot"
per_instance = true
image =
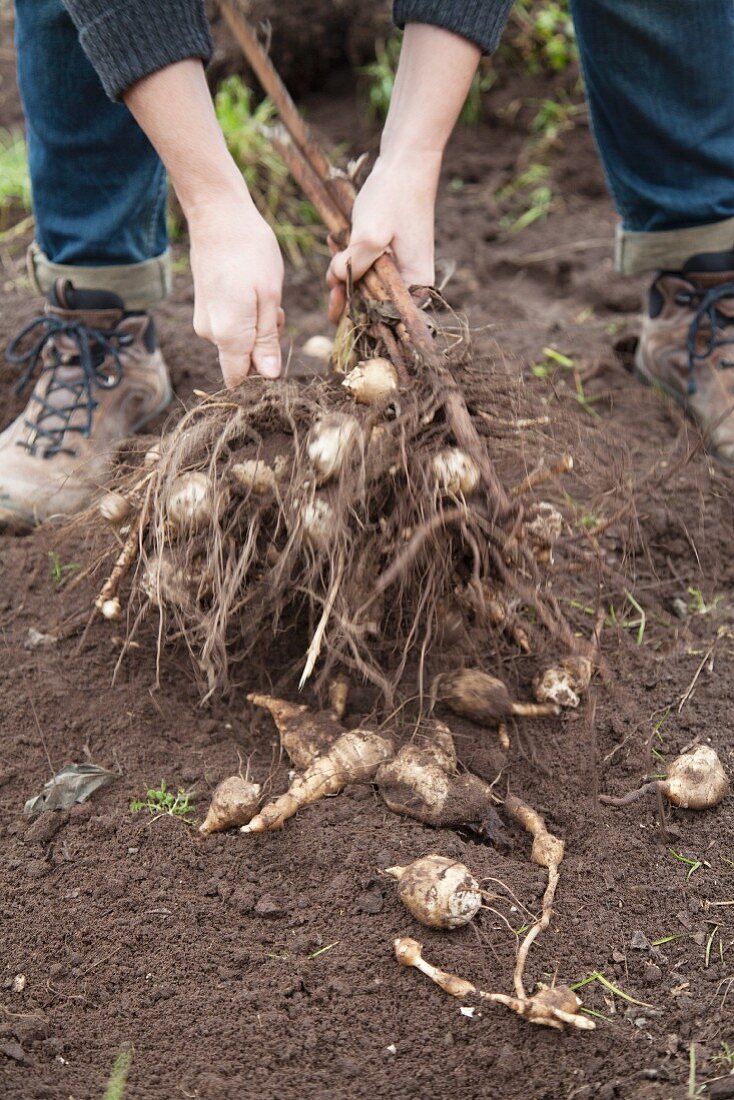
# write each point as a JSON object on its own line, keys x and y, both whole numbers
{"x": 99, "y": 377}
{"x": 685, "y": 341}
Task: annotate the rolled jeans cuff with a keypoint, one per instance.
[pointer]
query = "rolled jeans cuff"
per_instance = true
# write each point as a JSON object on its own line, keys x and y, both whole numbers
{"x": 139, "y": 285}
{"x": 668, "y": 249}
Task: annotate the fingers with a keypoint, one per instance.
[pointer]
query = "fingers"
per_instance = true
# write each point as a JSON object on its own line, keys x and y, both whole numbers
{"x": 337, "y": 303}
{"x": 266, "y": 351}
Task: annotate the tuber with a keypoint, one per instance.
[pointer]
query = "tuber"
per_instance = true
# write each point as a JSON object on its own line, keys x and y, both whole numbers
{"x": 372, "y": 381}
{"x": 483, "y": 698}
{"x": 233, "y": 803}
{"x": 115, "y": 508}
{"x": 255, "y": 476}
{"x": 189, "y": 505}
{"x": 353, "y": 758}
{"x": 439, "y": 892}
{"x": 421, "y": 782}
{"x": 695, "y": 780}
{"x": 551, "y": 1007}
{"x": 303, "y": 734}
{"x": 543, "y": 529}
{"x": 331, "y": 443}
{"x": 318, "y": 523}
{"x": 455, "y": 471}
{"x": 564, "y": 684}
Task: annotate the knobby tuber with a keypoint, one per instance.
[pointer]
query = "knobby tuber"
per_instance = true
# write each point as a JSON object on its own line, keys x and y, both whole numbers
{"x": 456, "y": 472}
{"x": 553, "y": 1006}
{"x": 115, "y": 508}
{"x": 254, "y": 476}
{"x": 304, "y": 735}
{"x": 483, "y": 698}
{"x": 565, "y": 683}
{"x": 332, "y": 442}
{"x": 372, "y": 381}
{"x": 421, "y": 782}
{"x": 233, "y": 803}
{"x": 696, "y": 780}
{"x": 439, "y": 892}
{"x": 354, "y": 758}
{"x": 190, "y": 503}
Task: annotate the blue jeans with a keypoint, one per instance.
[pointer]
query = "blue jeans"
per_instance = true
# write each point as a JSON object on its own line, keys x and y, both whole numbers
{"x": 658, "y": 76}
{"x": 99, "y": 188}
{"x": 660, "y": 84}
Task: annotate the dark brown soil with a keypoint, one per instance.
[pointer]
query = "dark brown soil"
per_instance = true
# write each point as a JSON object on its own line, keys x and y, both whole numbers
{"x": 263, "y": 966}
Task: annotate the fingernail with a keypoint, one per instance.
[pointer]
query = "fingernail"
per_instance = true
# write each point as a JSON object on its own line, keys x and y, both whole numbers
{"x": 270, "y": 366}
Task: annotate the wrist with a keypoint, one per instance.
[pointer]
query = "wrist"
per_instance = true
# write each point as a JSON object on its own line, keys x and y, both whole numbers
{"x": 210, "y": 188}
{"x": 398, "y": 152}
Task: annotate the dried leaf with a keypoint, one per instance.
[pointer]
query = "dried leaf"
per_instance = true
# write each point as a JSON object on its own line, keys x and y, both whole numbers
{"x": 74, "y": 783}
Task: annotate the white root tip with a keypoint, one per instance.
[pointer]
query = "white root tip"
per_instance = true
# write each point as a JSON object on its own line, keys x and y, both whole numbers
{"x": 111, "y": 609}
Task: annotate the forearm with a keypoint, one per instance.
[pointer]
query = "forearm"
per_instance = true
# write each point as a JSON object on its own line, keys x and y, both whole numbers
{"x": 433, "y": 79}
{"x": 235, "y": 259}
{"x": 174, "y": 108}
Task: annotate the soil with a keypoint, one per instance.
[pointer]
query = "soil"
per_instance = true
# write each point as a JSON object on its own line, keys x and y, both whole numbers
{"x": 263, "y": 966}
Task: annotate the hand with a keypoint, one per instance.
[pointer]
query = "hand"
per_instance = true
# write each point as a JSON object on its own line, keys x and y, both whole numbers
{"x": 238, "y": 280}
{"x": 393, "y": 211}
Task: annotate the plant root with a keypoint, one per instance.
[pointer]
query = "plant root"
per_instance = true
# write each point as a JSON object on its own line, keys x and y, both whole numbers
{"x": 555, "y": 1006}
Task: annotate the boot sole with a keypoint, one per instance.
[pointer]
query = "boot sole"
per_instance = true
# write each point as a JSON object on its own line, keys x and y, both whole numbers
{"x": 653, "y": 383}
{"x": 18, "y": 523}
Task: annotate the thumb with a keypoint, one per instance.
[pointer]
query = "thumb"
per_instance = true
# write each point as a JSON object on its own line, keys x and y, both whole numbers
{"x": 360, "y": 255}
{"x": 266, "y": 353}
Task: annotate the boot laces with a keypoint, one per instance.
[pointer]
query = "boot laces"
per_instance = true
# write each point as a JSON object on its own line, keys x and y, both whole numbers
{"x": 68, "y": 391}
{"x": 707, "y": 322}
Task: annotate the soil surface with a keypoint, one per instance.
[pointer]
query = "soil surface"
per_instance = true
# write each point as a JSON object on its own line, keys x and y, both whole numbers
{"x": 263, "y": 966}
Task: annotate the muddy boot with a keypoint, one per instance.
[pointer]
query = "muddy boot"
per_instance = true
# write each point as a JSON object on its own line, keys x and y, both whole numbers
{"x": 99, "y": 378}
{"x": 687, "y": 345}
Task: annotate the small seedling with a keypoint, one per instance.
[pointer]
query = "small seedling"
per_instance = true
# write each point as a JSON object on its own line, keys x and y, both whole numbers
{"x": 692, "y": 864}
{"x": 694, "y": 1090}
{"x": 726, "y": 1058}
{"x": 697, "y": 604}
{"x": 161, "y": 800}
{"x": 59, "y": 569}
{"x": 120, "y": 1069}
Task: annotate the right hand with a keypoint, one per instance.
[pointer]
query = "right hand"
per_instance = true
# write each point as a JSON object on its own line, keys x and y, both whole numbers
{"x": 393, "y": 212}
{"x": 238, "y": 281}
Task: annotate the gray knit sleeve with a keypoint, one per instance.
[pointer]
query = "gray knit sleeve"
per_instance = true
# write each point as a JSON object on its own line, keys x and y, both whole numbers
{"x": 481, "y": 21}
{"x": 128, "y": 39}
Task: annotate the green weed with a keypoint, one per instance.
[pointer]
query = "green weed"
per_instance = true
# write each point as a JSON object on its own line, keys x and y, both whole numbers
{"x": 59, "y": 569}
{"x": 542, "y": 36}
{"x": 726, "y": 1058}
{"x": 160, "y": 800}
{"x": 529, "y": 198}
{"x": 15, "y": 182}
{"x": 118, "y": 1076}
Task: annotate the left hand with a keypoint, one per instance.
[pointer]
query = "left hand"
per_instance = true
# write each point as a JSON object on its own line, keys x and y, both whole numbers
{"x": 394, "y": 211}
